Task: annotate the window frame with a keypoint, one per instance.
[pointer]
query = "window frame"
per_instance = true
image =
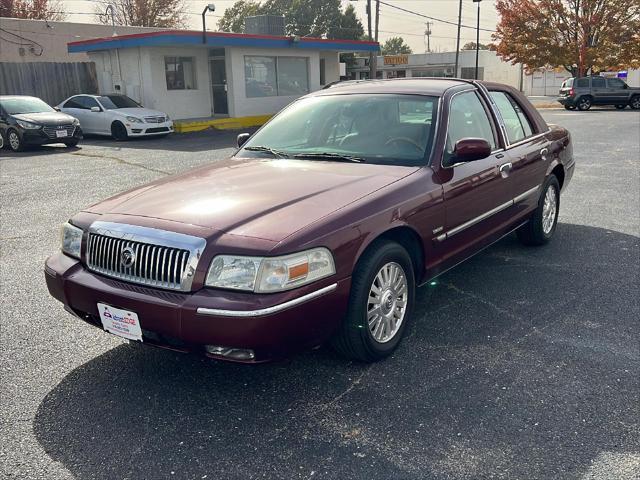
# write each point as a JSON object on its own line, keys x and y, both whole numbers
{"x": 177, "y": 60}
{"x": 497, "y": 138}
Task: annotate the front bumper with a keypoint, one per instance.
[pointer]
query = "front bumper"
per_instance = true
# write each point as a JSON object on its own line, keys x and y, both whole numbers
{"x": 272, "y": 325}
{"x": 39, "y": 137}
{"x": 149, "y": 129}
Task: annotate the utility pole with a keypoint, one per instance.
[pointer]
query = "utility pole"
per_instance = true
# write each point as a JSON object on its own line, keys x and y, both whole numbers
{"x": 375, "y": 58}
{"x": 427, "y": 32}
{"x": 455, "y": 74}
{"x": 477, "y": 37}
{"x": 371, "y": 54}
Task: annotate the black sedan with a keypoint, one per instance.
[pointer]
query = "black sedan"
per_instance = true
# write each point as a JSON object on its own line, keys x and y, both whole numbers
{"x": 30, "y": 121}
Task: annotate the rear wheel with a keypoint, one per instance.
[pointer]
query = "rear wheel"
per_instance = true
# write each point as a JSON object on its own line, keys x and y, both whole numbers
{"x": 14, "y": 140}
{"x": 542, "y": 224}
{"x": 620, "y": 107}
{"x": 584, "y": 103}
{"x": 119, "y": 131}
{"x": 635, "y": 102}
{"x": 380, "y": 303}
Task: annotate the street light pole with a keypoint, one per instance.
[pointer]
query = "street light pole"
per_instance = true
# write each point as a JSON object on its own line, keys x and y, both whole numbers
{"x": 455, "y": 74}
{"x": 209, "y": 8}
{"x": 477, "y": 37}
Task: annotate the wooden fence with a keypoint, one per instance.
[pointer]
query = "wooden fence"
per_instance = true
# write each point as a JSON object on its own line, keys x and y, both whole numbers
{"x": 52, "y": 82}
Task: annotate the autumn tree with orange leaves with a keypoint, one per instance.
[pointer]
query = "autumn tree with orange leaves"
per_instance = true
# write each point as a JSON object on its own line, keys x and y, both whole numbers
{"x": 580, "y": 35}
{"x": 32, "y": 9}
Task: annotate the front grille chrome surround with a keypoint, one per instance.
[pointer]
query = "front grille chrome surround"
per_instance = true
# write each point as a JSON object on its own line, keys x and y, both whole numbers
{"x": 156, "y": 258}
{"x": 155, "y": 119}
{"x": 51, "y": 131}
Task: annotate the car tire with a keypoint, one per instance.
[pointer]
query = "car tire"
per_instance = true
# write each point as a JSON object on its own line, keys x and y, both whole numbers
{"x": 542, "y": 224}
{"x": 14, "y": 141}
{"x": 370, "y": 333}
{"x": 620, "y": 107}
{"x": 584, "y": 103}
{"x": 1, "y": 140}
{"x": 119, "y": 131}
{"x": 635, "y": 102}
{"x": 569, "y": 107}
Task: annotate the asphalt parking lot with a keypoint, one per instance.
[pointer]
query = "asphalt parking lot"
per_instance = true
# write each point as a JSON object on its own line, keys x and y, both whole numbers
{"x": 522, "y": 363}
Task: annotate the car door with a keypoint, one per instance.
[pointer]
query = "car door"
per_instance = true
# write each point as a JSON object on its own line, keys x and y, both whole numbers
{"x": 74, "y": 108}
{"x": 93, "y": 120}
{"x": 527, "y": 150}
{"x": 599, "y": 91}
{"x": 477, "y": 197}
{"x": 617, "y": 91}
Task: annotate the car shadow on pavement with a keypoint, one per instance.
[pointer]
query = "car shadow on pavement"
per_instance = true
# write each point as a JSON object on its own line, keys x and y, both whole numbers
{"x": 521, "y": 363}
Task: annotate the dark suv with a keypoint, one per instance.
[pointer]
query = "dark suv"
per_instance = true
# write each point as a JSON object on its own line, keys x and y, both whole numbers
{"x": 586, "y": 91}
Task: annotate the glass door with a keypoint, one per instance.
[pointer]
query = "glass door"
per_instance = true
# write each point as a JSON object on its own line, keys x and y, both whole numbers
{"x": 218, "y": 75}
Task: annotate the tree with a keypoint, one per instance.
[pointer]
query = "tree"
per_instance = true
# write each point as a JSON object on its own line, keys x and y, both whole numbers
{"x": 472, "y": 46}
{"x": 395, "y": 46}
{"x": 580, "y": 35}
{"x": 312, "y": 18}
{"x": 32, "y": 9}
{"x": 144, "y": 13}
{"x": 233, "y": 18}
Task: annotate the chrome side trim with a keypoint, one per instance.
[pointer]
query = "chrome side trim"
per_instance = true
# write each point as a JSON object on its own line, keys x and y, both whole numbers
{"x": 268, "y": 310}
{"x": 485, "y": 215}
{"x": 479, "y": 218}
{"x": 524, "y": 195}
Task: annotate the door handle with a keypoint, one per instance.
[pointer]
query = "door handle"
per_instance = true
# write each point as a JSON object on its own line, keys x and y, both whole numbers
{"x": 505, "y": 168}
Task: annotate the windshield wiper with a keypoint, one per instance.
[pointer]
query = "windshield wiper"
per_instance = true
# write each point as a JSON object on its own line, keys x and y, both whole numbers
{"x": 340, "y": 157}
{"x": 272, "y": 151}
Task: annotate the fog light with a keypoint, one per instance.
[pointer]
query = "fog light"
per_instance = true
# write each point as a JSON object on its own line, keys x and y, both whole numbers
{"x": 232, "y": 353}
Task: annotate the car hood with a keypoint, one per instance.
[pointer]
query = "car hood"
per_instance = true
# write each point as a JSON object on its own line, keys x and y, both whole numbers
{"x": 261, "y": 198}
{"x": 139, "y": 112}
{"x": 45, "y": 118}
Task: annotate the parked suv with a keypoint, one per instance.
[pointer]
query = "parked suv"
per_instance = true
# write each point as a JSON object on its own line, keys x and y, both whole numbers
{"x": 586, "y": 91}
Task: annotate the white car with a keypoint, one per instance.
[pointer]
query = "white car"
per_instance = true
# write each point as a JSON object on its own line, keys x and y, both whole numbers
{"x": 116, "y": 115}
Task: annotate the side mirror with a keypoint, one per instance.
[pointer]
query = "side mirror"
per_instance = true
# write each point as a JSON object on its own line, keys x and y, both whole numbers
{"x": 57, "y": 109}
{"x": 96, "y": 109}
{"x": 471, "y": 149}
{"x": 242, "y": 138}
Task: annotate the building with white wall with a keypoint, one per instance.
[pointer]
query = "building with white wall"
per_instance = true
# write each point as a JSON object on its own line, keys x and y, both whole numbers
{"x": 490, "y": 67}
{"x": 228, "y": 75}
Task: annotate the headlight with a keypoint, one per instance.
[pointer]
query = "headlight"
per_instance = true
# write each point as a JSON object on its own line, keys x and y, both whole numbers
{"x": 134, "y": 119}
{"x": 270, "y": 274}
{"x": 76, "y": 121}
{"x": 71, "y": 238}
{"x": 28, "y": 125}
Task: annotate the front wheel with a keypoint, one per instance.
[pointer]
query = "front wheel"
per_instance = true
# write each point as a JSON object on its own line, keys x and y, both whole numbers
{"x": 15, "y": 142}
{"x": 542, "y": 224}
{"x": 584, "y": 103}
{"x": 119, "y": 131}
{"x": 380, "y": 303}
{"x": 635, "y": 102}
{"x": 620, "y": 107}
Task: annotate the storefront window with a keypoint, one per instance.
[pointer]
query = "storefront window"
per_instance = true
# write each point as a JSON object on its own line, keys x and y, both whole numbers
{"x": 180, "y": 73}
{"x": 275, "y": 76}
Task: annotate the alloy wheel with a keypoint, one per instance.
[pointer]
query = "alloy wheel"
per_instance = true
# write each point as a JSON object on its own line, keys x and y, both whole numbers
{"x": 549, "y": 210}
{"x": 387, "y": 302}
{"x": 635, "y": 103}
{"x": 584, "y": 104}
{"x": 14, "y": 141}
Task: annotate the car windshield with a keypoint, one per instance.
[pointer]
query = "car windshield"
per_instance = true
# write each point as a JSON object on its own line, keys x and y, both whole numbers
{"x": 24, "y": 105}
{"x": 113, "y": 102}
{"x": 379, "y": 128}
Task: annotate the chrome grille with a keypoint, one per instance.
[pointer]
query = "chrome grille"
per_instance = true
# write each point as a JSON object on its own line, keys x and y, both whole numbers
{"x": 156, "y": 258}
{"x": 154, "y": 119}
{"x": 51, "y": 131}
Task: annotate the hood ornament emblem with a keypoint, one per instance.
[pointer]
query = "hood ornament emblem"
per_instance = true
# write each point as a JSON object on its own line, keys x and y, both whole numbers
{"x": 127, "y": 257}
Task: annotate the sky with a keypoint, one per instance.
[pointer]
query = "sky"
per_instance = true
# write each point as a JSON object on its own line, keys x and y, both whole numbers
{"x": 393, "y": 22}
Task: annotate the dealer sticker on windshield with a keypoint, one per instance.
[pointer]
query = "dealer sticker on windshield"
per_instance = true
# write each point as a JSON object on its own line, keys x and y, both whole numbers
{"x": 120, "y": 322}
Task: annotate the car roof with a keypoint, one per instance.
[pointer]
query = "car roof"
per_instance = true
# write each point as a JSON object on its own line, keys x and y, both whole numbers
{"x": 8, "y": 97}
{"x": 418, "y": 86}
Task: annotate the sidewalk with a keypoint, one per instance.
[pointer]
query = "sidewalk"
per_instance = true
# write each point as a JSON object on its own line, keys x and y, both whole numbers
{"x": 544, "y": 101}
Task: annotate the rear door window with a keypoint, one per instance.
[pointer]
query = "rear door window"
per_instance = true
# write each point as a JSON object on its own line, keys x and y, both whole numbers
{"x": 582, "y": 83}
{"x": 598, "y": 82}
{"x": 516, "y": 122}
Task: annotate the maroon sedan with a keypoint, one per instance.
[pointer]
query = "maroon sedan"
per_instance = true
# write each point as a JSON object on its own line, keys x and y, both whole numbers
{"x": 321, "y": 226}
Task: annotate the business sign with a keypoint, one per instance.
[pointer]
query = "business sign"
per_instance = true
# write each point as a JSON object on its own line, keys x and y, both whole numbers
{"x": 396, "y": 59}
